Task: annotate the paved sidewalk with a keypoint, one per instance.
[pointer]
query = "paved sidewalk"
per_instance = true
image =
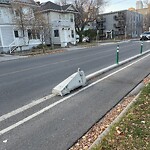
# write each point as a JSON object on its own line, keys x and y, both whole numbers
{"x": 90, "y": 45}
{"x": 4, "y": 57}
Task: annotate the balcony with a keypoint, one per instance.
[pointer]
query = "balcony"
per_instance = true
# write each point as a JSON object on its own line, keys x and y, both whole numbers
{"x": 102, "y": 20}
{"x": 100, "y": 27}
{"x": 117, "y": 26}
{"x": 121, "y": 33}
{"x": 119, "y": 17}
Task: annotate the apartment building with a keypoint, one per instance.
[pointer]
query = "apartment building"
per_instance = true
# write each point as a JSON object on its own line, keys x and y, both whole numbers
{"x": 120, "y": 24}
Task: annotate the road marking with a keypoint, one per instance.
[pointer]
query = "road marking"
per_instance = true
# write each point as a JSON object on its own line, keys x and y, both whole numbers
{"x": 45, "y": 65}
{"x": 22, "y": 109}
{"x": 30, "y": 105}
{"x": 64, "y": 99}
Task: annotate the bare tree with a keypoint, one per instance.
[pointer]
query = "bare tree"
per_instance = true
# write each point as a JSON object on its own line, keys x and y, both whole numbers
{"x": 30, "y": 21}
{"x": 23, "y": 14}
{"x": 40, "y": 25}
{"x": 63, "y": 2}
{"x": 88, "y": 10}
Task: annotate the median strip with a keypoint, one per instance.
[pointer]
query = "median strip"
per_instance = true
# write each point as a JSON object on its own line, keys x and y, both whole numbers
{"x": 95, "y": 74}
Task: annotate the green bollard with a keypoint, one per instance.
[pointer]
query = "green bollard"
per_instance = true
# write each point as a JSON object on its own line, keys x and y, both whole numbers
{"x": 141, "y": 48}
{"x": 117, "y": 58}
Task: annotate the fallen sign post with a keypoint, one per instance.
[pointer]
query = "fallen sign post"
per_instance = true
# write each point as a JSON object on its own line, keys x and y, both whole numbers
{"x": 74, "y": 81}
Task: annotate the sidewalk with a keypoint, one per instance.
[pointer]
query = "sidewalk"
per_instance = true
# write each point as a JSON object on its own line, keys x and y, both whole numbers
{"x": 99, "y": 43}
{"x": 5, "y": 57}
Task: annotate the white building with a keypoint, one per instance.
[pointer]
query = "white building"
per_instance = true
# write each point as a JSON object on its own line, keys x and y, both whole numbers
{"x": 12, "y": 37}
{"x": 61, "y": 23}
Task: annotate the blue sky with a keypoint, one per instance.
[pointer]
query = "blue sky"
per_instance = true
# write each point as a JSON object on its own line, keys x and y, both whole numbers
{"x": 113, "y": 5}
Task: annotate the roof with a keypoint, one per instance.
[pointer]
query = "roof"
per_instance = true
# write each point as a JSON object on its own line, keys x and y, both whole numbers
{"x": 25, "y": 1}
{"x": 64, "y": 7}
{"x": 20, "y": 1}
{"x": 50, "y": 6}
{"x": 114, "y": 12}
{"x": 4, "y": 1}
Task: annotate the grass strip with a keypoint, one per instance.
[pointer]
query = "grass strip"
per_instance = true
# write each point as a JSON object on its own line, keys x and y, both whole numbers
{"x": 132, "y": 132}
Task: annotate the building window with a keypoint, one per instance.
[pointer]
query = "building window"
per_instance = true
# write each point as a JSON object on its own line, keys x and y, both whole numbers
{"x": 33, "y": 34}
{"x": 71, "y": 18}
{"x": 0, "y": 13}
{"x": 29, "y": 34}
{"x": 38, "y": 35}
{"x": 16, "y": 33}
{"x": 72, "y": 33}
{"x": 56, "y": 33}
{"x": 16, "y": 13}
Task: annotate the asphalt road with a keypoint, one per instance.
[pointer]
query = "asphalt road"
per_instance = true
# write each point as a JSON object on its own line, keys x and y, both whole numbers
{"x": 60, "y": 126}
{"x": 25, "y": 80}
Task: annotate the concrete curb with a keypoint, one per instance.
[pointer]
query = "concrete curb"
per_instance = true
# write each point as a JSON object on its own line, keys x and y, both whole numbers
{"x": 96, "y": 45}
{"x": 10, "y": 57}
{"x": 95, "y": 74}
{"x": 105, "y": 132}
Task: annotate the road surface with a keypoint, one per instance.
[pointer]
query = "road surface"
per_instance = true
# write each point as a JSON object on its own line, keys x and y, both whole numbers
{"x": 28, "y": 79}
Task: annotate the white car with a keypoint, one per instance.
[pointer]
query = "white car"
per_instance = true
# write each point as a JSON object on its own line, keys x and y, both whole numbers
{"x": 145, "y": 36}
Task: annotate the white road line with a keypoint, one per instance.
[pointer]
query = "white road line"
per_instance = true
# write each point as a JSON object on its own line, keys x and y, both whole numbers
{"x": 21, "y": 109}
{"x": 48, "y": 64}
{"x": 64, "y": 99}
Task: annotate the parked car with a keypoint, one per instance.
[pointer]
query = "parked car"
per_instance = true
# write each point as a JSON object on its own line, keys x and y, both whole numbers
{"x": 145, "y": 36}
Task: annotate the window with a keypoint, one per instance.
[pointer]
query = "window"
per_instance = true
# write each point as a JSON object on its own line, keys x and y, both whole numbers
{"x": 38, "y": 35}
{"x": 16, "y": 33}
{"x": 33, "y": 34}
{"x": 72, "y": 33}
{"x": 25, "y": 10}
{"x": 29, "y": 34}
{"x": 71, "y": 18}
{"x": 0, "y": 13}
{"x": 16, "y": 13}
{"x": 56, "y": 33}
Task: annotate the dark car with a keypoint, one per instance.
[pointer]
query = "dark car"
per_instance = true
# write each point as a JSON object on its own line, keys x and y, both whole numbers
{"x": 145, "y": 36}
